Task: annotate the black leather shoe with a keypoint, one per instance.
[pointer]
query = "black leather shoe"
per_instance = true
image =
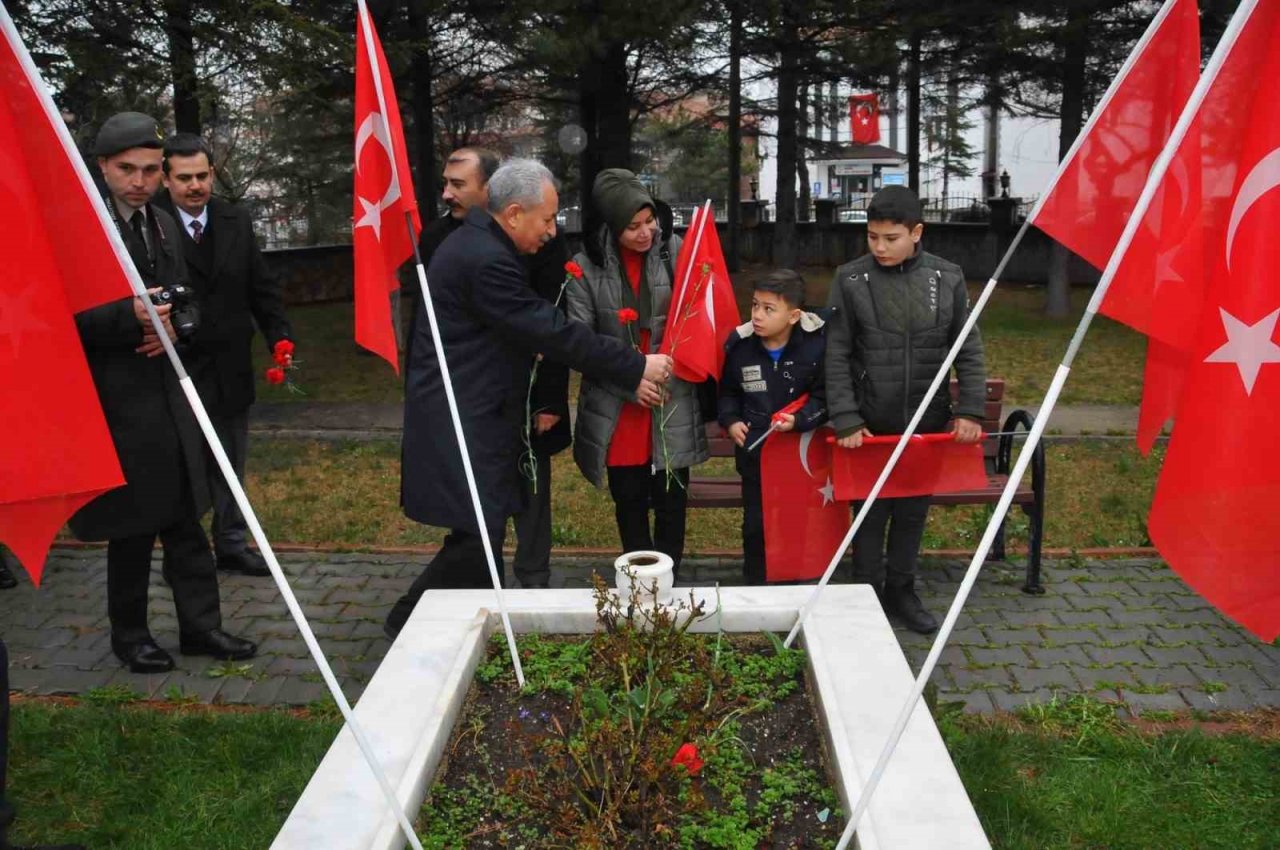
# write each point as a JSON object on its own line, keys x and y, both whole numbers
{"x": 7, "y": 579}
{"x": 246, "y": 563}
{"x": 219, "y": 644}
{"x": 145, "y": 656}
{"x": 907, "y": 608}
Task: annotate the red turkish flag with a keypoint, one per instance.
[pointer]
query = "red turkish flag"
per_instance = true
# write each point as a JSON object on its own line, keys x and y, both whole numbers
{"x": 864, "y": 118}
{"x": 804, "y": 523}
{"x": 57, "y": 453}
{"x": 1213, "y": 516}
{"x": 703, "y": 309}
{"x": 383, "y": 194}
{"x": 1104, "y": 174}
{"x": 931, "y": 463}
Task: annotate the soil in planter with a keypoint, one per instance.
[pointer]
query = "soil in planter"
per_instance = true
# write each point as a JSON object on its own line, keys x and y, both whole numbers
{"x": 642, "y": 735}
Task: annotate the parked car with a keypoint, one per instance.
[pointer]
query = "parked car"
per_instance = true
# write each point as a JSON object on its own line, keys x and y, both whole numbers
{"x": 853, "y": 215}
{"x": 976, "y": 213}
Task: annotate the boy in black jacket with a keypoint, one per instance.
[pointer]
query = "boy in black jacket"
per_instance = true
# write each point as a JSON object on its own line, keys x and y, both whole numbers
{"x": 896, "y": 313}
{"x": 769, "y": 363}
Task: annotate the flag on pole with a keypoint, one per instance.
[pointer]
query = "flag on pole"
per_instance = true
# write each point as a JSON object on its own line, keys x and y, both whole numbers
{"x": 864, "y": 118}
{"x": 804, "y": 522}
{"x": 383, "y": 194}
{"x": 703, "y": 308}
{"x": 1213, "y": 515}
{"x": 931, "y": 463}
{"x": 1104, "y": 174}
{"x": 57, "y": 453}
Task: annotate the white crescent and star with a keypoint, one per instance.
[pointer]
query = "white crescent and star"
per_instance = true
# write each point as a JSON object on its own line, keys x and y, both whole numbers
{"x": 1247, "y": 346}
{"x": 828, "y": 490}
{"x": 373, "y": 127}
{"x": 1262, "y": 178}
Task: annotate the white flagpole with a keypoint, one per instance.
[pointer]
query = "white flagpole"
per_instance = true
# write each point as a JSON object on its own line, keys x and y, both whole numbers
{"x": 945, "y": 370}
{"x": 1154, "y": 178}
{"x": 700, "y": 220}
{"x": 206, "y": 426}
{"x": 494, "y": 575}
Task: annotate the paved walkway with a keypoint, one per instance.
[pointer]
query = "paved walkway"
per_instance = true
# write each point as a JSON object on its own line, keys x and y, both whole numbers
{"x": 1128, "y": 631}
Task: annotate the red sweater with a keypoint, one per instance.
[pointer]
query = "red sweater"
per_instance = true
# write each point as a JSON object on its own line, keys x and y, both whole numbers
{"x": 632, "y": 440}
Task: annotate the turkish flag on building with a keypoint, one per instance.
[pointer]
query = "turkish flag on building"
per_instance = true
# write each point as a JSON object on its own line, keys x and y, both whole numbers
{"x": 56, "y": 454}
{"x": 864, "y": 118}
{"x": 931, "y": 463}
{"x": 381, "y": 239}
{"x": 703, "y": 309}
{"x": 1214, "y": 513}
{"x": 1105, "y": 172}
{"x": 804, "y": 522}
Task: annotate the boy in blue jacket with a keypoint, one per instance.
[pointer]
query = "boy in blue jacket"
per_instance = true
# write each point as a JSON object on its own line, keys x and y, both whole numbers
{"x": 769, "y": 363}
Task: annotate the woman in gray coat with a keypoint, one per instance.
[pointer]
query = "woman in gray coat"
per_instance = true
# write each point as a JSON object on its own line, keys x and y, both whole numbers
{"x": 642, "y": 446}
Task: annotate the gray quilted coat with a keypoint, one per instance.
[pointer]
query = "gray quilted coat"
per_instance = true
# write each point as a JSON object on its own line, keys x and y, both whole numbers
{"x": 595, "y": 300}
{"x": 890, "y": 331}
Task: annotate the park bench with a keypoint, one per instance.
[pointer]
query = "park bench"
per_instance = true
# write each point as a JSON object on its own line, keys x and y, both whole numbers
{"x": 726, "y": 491}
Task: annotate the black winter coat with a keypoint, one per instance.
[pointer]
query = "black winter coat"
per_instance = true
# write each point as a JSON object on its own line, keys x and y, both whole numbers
{"x": 491, "y": 323}
{"x": 889, "y": 331}
{"x": 155, "y": 433}
{"x": 753, "y": 386}
{"x": 236, "y": 290}
{"x": 546, "y": 273}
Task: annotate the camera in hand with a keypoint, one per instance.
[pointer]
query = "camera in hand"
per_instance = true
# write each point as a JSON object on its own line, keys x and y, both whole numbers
{"x": 185, "y": 315}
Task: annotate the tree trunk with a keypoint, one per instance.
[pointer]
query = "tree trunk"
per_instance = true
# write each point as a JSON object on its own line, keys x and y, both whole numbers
{"x": 604, "y": 103}
{"x": 1071, "y": 117}
{"x": 733, "y": 198}
{"x": 784, "y": 219}
{"x": 913, "y": 111}
{"x": 895, "y": 83}
{"x": 182, "y": 65}
{"x": 421, "y": 72}
{"x": 802, "y": 165}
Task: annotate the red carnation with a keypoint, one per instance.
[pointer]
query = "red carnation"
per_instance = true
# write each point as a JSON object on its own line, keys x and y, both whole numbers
{"x": 275, "y": 375}
{"x": 573, "y": 269}
{"x": 687, "y": 757}
{"x": 626, "y": 315}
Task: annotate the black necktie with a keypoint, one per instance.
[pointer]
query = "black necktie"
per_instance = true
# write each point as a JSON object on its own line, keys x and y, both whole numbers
{"x": 196, "y": 230}
{"x": 138, "y": 222}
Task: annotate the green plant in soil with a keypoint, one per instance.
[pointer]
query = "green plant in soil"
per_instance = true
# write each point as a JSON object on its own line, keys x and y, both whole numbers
{"x": 643, "y": 735}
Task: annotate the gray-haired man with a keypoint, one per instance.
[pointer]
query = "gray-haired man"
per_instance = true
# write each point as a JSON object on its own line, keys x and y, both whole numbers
{"x": 491, "y": 323}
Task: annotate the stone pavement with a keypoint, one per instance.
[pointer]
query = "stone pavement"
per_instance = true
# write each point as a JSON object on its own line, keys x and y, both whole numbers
{"x": 1128, "y": 631}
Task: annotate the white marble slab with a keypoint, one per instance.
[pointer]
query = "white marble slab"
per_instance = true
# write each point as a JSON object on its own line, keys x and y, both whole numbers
{"x": 859, "y": 673}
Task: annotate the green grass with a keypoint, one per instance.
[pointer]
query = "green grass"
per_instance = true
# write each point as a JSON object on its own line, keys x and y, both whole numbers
{"x": 129, "y": 777}
{"x": 1068, "y": 776}
{"x": 1104, "y": 785}
{"x": 348, "y": 493}
{"x": 330, "y": 366}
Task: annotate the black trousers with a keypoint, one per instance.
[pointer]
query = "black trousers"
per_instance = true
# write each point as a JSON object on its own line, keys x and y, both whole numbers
{"x": 230, "y": 532}
{"x": 532, "y": 563}
{"x": 6, "y": 810}
{"x": 188, "y": 569}
{"x": 753, "y": 560}
{"x": 636, "y": 490}
{"x": 460, "y": 563}
{"x": 904, "y": 520}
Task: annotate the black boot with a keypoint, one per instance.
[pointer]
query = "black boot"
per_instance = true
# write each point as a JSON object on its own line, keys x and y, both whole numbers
{"x": 903, "y": 604}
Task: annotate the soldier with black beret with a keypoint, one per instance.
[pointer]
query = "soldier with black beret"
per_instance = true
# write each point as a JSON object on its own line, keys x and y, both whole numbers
{"x": 154, "y": 430}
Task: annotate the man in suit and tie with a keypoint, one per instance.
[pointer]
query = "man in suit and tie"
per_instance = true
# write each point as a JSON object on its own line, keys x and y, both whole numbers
{"x": 236, "y": 291}
{"x": 157, "y": 439}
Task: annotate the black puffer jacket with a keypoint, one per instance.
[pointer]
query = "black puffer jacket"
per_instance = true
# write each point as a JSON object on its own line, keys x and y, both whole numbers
{"x": 890, "y": 330}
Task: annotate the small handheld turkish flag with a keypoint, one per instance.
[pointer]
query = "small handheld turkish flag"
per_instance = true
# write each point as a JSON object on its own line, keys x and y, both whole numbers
{"x": 804, "y": 523}
{"x": 704, "y": 311}
{"x": 931, "y": 463}
{"x": 383, "y": 194}
{"x": 864, "y": 118}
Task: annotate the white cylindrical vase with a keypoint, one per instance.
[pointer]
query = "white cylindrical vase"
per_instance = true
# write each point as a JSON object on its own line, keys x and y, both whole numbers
{"x": 648, "y": 567}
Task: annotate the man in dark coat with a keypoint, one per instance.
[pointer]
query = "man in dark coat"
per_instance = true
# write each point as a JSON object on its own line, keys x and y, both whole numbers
{"x": 491, "y": 323}
{"x": 155, "y": 433}
{"x": 236, "y": 290}
{"x": 466, "y": 185}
